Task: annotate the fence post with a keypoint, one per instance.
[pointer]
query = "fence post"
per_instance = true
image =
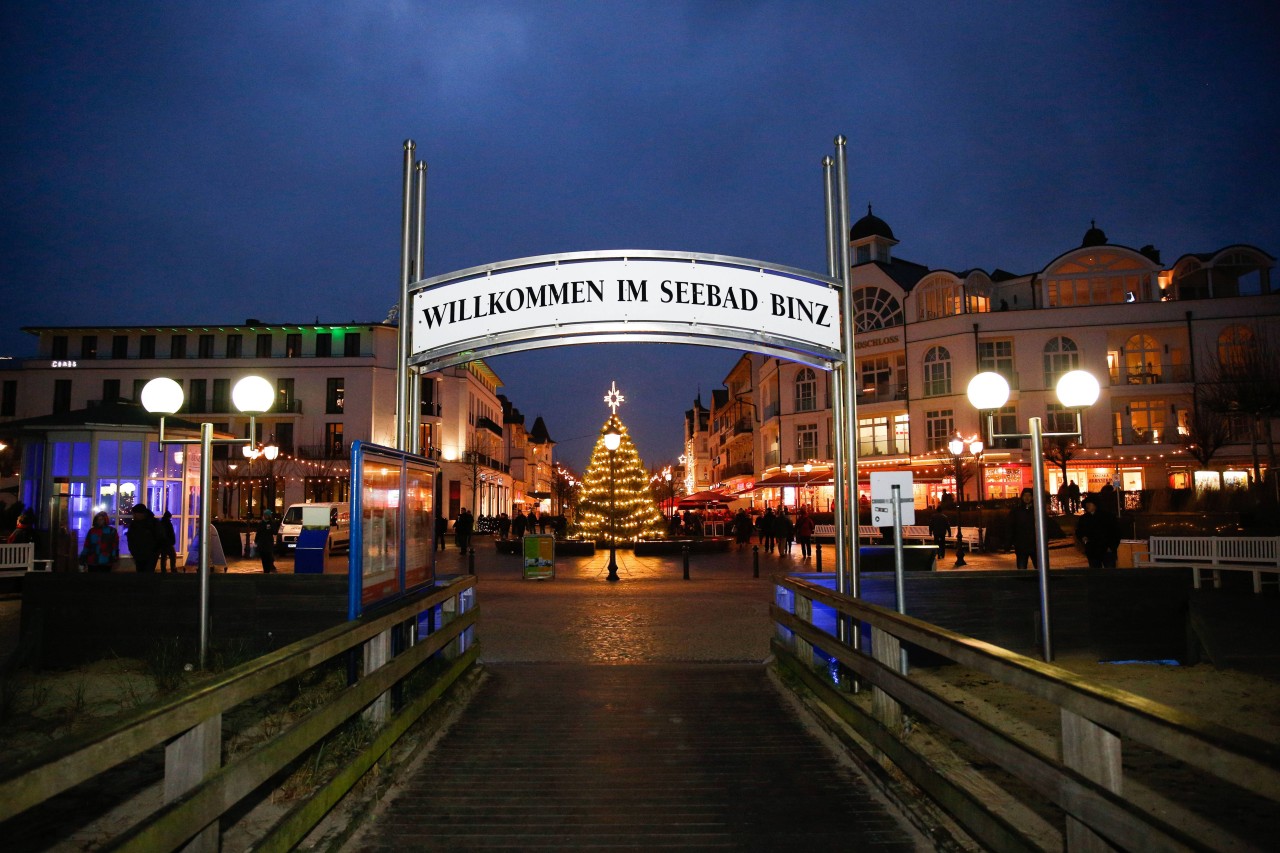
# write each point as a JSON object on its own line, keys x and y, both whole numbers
{"x": 188, "y": 761}
{"x": 684, "y": 550}
{"x": 818, "y": 545}
{"x": 803, "y": 612}
{"x": 755, "y": 561}
{"x": 471, "y": 561}
{"x": 888, "y": 650}
{"x": 1094, "y": 753}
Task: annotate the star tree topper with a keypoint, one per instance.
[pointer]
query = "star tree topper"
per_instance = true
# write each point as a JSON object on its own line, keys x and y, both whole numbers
{"x": 614, "y": 398}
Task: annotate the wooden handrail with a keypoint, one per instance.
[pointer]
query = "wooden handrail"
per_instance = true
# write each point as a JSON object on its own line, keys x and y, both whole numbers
{"x": 1232, "y": 756}
{"x": 84, "y": 756}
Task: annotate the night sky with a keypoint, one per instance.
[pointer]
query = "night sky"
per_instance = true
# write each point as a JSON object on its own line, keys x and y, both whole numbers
{"x": 205, "y": 163}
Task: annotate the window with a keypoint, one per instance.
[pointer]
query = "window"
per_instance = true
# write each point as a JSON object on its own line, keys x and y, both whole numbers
{"x": 110, "y": 390}
{"x": 1100, "y": 278}
{"x": 324, "y": 344}
{"x": 147, "y": 346}
{"x": 875, "y": 308}
{"x": 205, "y": 346}
{"x": 58, "y": 347}
{"x": 1146, "y": 421}
{"x": 221, "y": 395}
{"x": 1141, "y": 358}
{"x": 235, "y": 346}
{"x": 264, "y": 346}
{"x": 89, "y": 346}
{"x": 335, "y": 395}
{"x": 1005, "y": 421}
{"x": 939, "y": 296}
{"x": 138, "y": 385}
{"x": 285, "y": 401}
{"x": 1058, "y": 418}
{"x": 806, "y": 442}
{"x": 293, "y": 345}
{"x": 902, "y": 433}
{"x": 196, "y": 396}
{"x": 9, "y": 398}
{"x": 938, "y": 428}
{"x": 873, "y": 436}
{"x": 997, "y": 356}
{"x": 351, "y": 344}
{"x": 806, "y": 390}
{"x": 120, "y": 346}
{"x": 333, "y": 441}
{"x": 937, "y": 372}
{"x": 1060, "y": 356}
{"x": 1235, "y": 347}
{"x": 178, "y": 346}
{"x": 284, "y": 437}
{"x": 61, "y": 396}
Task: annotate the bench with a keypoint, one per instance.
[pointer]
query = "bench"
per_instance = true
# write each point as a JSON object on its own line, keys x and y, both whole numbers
{"x": 972, "y": 536}
{"x": 1214, "y": 554}
{"x": 16, "y": 559}
{"x": 827, "y": 533}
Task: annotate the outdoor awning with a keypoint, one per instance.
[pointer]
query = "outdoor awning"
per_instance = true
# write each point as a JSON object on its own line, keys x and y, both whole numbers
{"x": 795, "y": 478}
{"x": 704, "y": 498}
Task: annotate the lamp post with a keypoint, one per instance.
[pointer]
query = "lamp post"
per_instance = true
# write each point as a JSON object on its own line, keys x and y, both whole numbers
{"x": 1077, "y": 390}
{"x": 251, "y": 395}
{"x": 957, "y": 446}
{"x": 268, "y": 452}
{"x": 612, "y": 440}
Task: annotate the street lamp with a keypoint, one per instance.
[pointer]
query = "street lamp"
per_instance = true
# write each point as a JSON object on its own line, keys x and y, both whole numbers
{"x": 612, "y": 441}
{"x": 163, "y": 396}
{"x": 1077, "y": 390}
{"x": 957, "y": 446}
{"x": 268, "y": 452}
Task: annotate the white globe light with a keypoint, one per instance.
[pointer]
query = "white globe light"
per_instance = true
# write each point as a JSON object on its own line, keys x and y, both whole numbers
{"x": 975, "y": 447}
{"x": 956, "y": 446}
{"x": 612, "y": 440}
{"x": 988, "y": 390}
{"x": 1077, "y": 389}
{"x": 162, "y": 396}
{"x": 253, "y": 394}
{"x": 271, "y": 452}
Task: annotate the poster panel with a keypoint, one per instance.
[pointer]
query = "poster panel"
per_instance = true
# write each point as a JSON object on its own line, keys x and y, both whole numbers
{"x": 419, "y": 523}
{"x": 379, "y": 528}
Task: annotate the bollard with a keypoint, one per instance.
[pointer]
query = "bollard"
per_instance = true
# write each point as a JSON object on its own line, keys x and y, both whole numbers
{"x": 755, "y": 561}
{"x": 685, "y": 550}
{"x": 818, "y": 545}
{"x": 471, "y": 561}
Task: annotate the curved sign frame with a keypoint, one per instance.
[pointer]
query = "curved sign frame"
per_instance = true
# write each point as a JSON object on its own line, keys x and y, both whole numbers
{"x": 624, "y": 296}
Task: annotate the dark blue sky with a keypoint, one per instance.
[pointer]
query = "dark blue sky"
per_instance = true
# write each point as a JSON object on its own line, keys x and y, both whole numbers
{"x": 171, "y": 162}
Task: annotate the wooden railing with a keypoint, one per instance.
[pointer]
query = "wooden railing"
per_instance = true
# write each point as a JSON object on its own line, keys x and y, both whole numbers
{"x": 1079, "y": 772}
{"x": 433, "y": 625}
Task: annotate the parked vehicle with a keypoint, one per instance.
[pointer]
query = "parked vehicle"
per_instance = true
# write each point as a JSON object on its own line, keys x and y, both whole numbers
{"x": 339, "y": 525}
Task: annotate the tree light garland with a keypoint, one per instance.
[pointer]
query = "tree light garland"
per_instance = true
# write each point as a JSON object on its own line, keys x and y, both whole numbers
{"x": 635, "y": 513}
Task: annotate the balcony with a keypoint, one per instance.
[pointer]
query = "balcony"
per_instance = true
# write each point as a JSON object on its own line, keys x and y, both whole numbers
{"x": 1130, "y": 436}
{"x": 884, "y": 393}
{"x": 1151, "y": 374}
{"x": 337, "y": 450}
{"x": 430, "y": 409}
{"x": 491, "y": 426}
{"x": 736, "y": 469}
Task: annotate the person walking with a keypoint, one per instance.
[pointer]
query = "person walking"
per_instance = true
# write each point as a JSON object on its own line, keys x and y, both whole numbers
{"x": 940, "y": 529}
{"x": 1022, "y": 530}
{"x": 143, "y": 540}
{"x": 442, "y": 530}
{"x": 742, "y": 527}
{"x": 167, "y": 540}
{"x": 767, "y": 530}
{"x": 264, "y": 539}
{"x": 462, "y": 530}
{"x": 804, "y": 533}
{"x": 784, "y": 530}
{"x": 1099, "y": 534}
{"x": 101, "y": 549}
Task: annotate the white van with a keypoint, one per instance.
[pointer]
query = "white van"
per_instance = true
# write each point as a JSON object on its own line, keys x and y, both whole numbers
{"x": 339, "y": 525}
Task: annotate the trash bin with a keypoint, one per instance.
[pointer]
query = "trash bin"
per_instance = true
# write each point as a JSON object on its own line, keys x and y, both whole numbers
{"x": 1129, "y": 551}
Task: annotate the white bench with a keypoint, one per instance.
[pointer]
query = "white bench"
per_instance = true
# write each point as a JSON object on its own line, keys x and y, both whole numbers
{"x": 16, "y": 559}
{"x": 870, "y": 533}
{"x": 1214, "y": 554}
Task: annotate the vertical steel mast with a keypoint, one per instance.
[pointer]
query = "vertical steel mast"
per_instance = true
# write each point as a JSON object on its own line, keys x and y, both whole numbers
{"x": 403, "y": 418}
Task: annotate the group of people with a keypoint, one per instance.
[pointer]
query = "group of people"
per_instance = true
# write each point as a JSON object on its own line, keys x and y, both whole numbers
{"x": 776, "y": 530}
{"x": 502, "y": 525}
{"x": 151, "y": 540}
{"x": 1097, "y": 531}
{"x": 1069, "y": 497}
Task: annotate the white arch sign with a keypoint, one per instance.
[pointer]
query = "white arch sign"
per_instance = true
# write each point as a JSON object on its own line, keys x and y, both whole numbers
{"x": 633, "y": 296}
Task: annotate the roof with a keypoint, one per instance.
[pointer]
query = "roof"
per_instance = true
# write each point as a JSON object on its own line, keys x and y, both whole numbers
{"x": 121, "y": 413}
{"x": 905, "y": 274}
{"x": 870, "y": 226}
{"x": 539, "y": 434}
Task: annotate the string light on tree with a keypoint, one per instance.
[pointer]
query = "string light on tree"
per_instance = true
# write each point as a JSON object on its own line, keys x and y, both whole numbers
{"x": 635, "y": 514}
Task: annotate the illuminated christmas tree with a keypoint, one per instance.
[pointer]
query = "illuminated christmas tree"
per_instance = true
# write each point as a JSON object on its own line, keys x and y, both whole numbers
{"x": 615, "y": 501}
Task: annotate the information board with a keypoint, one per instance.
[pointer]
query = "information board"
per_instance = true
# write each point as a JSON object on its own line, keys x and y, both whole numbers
{"x": 882, "y": 483}
{"x": 539, "y": 557}
{"x": 392, "y": 524}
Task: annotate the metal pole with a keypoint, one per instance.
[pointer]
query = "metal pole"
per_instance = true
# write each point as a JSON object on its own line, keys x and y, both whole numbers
{"x": 613, "y": 523}
{"x": 206, "y": 484}
{"x": 406, "y": 253}
{"x": 839, "y": 475}
{"x": 850, "y": 420}
{"x": 899, "y": 567}
{"x": 414, "y": 444}
{"x": 1042, "y": 536}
